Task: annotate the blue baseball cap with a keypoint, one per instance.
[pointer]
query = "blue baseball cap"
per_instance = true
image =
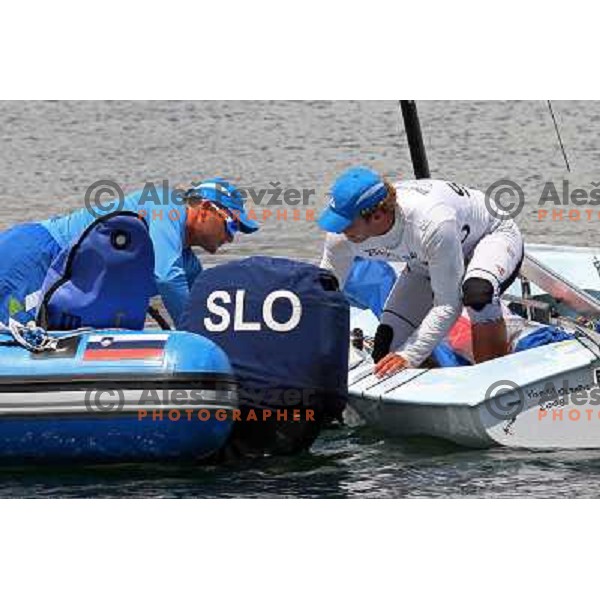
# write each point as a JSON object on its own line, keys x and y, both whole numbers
{"x": 225, "y": 194}
{"x": 355, "y": 190}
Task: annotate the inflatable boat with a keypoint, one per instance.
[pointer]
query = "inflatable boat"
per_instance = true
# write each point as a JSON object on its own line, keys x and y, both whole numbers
{"x": 114, "y": 396}
{"x": 90, "y": 392}
{"x": 84, "y": 382}
{"x": 232, "y": 379}
{"x": 543, "y": 397}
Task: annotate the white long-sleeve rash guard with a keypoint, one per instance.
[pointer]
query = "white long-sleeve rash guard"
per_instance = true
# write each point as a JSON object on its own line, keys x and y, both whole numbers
{"x": 437, "y": 225}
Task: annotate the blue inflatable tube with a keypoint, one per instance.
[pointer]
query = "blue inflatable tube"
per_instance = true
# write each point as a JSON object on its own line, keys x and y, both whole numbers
{"x": 108, "y": 396}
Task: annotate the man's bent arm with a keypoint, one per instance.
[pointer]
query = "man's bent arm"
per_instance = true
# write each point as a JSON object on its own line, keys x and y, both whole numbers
{"x": 338, "y": 256}
{"x": 175, "y": 293}
{"x": 446, "y": 269}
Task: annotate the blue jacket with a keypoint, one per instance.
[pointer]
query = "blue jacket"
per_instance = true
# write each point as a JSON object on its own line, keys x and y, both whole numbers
{"x": 176, "y": 267}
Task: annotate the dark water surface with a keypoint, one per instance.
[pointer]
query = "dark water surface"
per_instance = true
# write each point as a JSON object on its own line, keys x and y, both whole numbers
{"x": 51, "y": 152}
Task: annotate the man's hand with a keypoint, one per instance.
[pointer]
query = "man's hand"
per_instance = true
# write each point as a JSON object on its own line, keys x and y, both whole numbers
{"x": 390, "y": 364}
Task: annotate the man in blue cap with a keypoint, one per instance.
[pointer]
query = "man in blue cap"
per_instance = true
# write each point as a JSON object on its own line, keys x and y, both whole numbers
{"x": 207, "y": 216}
{"x": 456, "y": 253}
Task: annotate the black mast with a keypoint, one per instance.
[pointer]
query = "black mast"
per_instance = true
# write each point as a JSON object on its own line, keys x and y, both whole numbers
{"x": 415, "y": 139}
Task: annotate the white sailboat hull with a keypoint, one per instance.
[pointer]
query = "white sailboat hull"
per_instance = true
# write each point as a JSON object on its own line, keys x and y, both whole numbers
{"x": 546, "y": 397}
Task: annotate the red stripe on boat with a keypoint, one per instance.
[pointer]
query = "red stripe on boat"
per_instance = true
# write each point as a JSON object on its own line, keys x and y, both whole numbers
{"x": 124, "y": 354}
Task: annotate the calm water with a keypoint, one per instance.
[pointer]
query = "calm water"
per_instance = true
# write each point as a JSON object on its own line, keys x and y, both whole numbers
{"x": 51, "y": 152}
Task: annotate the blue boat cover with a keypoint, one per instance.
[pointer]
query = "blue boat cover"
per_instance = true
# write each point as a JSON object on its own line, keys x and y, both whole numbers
{"x": 284, "y": 325}
{"x": 542, "y": 337}
{"x": 369, "y": 284}
{"x": 104, "y": 279}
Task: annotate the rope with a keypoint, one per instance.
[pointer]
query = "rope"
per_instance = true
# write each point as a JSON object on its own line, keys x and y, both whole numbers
{"x": 33, "y": 338}
{"x": 562, "y": 147}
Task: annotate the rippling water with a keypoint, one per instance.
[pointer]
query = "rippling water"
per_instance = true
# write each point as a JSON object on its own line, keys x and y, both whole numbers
{"x": 52, "y": 151}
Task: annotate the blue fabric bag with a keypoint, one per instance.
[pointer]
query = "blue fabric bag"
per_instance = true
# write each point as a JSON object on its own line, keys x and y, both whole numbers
{"x": 445, "y": 356}
{"x": 369, "y": 284}
{"x": 542, "y": 337}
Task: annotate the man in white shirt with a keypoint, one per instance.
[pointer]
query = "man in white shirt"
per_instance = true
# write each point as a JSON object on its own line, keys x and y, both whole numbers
{"x": 456, "y": 254}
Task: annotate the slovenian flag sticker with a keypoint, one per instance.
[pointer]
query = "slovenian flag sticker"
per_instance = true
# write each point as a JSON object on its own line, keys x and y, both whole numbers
{"x": 126, "y": 347}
